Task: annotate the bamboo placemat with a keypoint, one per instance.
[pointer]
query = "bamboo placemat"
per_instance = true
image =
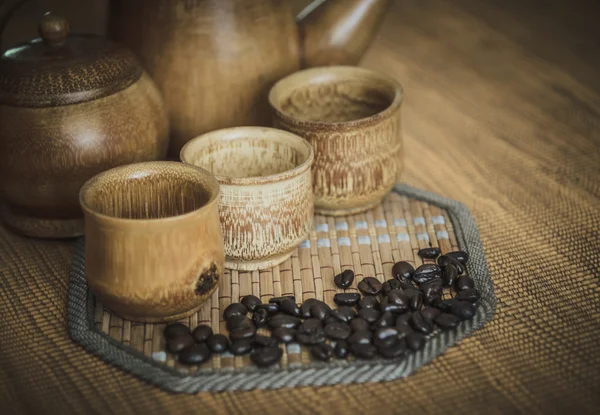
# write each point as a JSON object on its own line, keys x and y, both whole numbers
{"x": 368, "y": 243}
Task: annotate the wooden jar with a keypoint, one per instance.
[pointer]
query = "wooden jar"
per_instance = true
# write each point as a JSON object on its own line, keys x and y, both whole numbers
{"x": 70, "y": 107}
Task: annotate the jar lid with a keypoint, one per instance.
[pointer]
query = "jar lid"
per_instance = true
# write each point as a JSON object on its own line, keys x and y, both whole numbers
{"x": 58, "y": 69}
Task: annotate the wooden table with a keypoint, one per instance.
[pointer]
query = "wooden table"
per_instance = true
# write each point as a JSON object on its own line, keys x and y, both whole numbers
{"x": 502, "y": 113}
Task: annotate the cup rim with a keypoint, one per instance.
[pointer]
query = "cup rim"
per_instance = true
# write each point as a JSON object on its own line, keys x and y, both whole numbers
{"x": 240, "y": 133}
{"x": 327, "y": 71}
{"x": 214, "y": 189}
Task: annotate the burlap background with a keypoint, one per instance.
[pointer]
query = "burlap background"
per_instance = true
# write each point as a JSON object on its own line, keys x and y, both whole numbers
{"x": 501, "y": 113}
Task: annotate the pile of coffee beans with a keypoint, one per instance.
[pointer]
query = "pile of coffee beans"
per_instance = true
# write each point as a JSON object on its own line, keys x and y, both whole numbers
{"x": 387, "y": 320}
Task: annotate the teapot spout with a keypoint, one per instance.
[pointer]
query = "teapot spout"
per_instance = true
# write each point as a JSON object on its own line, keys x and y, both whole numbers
{"x": 338, "y": 32}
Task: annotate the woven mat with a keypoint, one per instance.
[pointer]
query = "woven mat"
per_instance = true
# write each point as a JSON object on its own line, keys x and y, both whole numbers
{"x": 369, "y": 243}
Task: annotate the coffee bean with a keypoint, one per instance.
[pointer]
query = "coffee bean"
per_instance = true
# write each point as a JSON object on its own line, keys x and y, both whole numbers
{"x": 369, "y": 286}
{"x": 310, "y": 325}
{"x": 360, "y": 337}
{"x": 404, "y": 330}
{"x": 386, "y": 319}
{"x": 250, "y": 302}
{"x": 263, "y": 341}
{"x": 260, "y": 317}
{"x": 416, "y": 301}
{"x": 402, "y": 271}
{"x": 391, "y": 307}
{"x": 244, "y": 333}
{"x": 444, "y": 305}
{"x": 369, "y": 314}
{"x": 337, "y": 331}
{"x": 345, "y": 279}
{"x": 460, "y": 256}
{"x": 218, "y": 343}
{"x": 320, "y": 310}
{"x": 194, "y": 354}
{"x": 470, "y": 294}
{"x": 344, "y": 313}
{"x": 390, "y": 285}
{"x": 403, "y": 319}
{"x": 330, "y": 319}
{"x": 341, "y": 349}
{"x": 450, "y": 275}
{"x": 283, "y": 320}
{"x": 201, "y": 333}
{"x": 240, "y": 347}
{"x": 426, "y": 272}
{"x": 284, "y": 335}
{"x": 266, "y": 356}
{"x": 464, "y": 282}
{"x": 177, "y": 344}
{"x": 363, "y": 351}
{"x": 358, "y": 324}
{"x": 349, "y": 299}
{"x": 311, "y": 338}
{"x": 271, "y": 308}
{"x": 447, "y": 321}
{"x": 395, "y": 349}
{"x": 288, "y": 306}
{"x": 399, "y": 299}
{"x": 384, "y": 337}
{"x": 435, "y": 282}
{"x": 420, "y": 324}
{"x": 369, "y": 302}
{"x": 175, "y": 330}
{"x": 279, "y": 300}
{"x": 235, "y": 309}
{"x": 463, "y": 310}
{"x": 432, "y": 291}
{"x": 415, "y": 341}
{"x": 445, "y": 260}
{"x": 429, "y": 253}
{"x": 321, "y": 352}
{"x": 237, "y": 322}
{"x": 305, "y": 307}
{"x": 430, "y": 313}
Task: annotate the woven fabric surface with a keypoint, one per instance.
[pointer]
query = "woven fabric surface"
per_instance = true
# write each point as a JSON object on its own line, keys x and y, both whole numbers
{"x": 370, "y": 243}
{"x": 502, "y": 113}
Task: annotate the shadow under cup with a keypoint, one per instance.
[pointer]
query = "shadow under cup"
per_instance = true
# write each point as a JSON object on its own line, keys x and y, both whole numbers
{"x": 154, "y": 249}
{"x": 351, "y": 117}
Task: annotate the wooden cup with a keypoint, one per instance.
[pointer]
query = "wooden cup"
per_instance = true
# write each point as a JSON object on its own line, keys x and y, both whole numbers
{"x": 351, "y": 116}
{"x": 267, "y": 203}
{"x": 154, "y": 248}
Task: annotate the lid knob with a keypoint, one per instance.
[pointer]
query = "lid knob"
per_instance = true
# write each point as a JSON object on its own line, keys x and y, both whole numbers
{"x": 54, "y": 29}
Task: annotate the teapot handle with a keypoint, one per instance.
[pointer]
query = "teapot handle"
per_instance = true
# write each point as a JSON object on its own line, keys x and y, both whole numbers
{"x": 7, "y": 11}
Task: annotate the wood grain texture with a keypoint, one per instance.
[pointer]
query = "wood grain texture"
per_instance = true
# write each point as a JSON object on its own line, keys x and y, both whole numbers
{"x": 267, "y": 202}
{"x": 46, "y": 154}
{"x": 501, "y": 112}
{"x": 214, "y": 61}
{"x": 154, "y": 248}
{"x": 351, "y": 117}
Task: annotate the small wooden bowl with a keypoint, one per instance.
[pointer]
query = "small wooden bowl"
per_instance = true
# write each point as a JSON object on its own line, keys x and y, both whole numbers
{"x": 267, "y": 203}
{"x": 351, "y": 117}
{"x": 153, "y": 248}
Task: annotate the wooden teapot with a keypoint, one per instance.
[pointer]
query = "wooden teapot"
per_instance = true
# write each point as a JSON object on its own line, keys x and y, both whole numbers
{"x": 215, "y": 61}
{"x": 70, "y": 107}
